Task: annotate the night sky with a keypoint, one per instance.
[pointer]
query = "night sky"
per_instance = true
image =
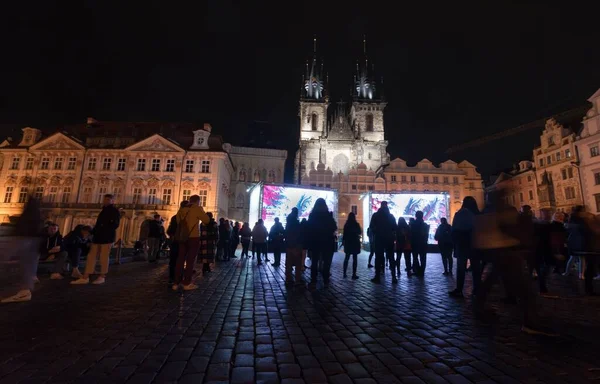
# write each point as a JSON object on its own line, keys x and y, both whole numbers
{"x": 452, "y": 72}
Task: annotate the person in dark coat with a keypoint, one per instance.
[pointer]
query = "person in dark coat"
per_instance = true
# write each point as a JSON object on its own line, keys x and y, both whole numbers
{"x": 223, "y": 246}
{"x": 174, "y": 246}
{"x": 463, "y": 226}
{"x": 304, "y": 226}
{"x": 209, "y": 238}
{"x": 419, "y": 233}
{"x": 293, "y": 251}
{"x": 276, "y": 240}
{"x": 383, "y": 224}
{"x": 371, "y": 247}
{"x": 351, "y": 241}
{"x": 403, "y": 246}
{"x": 321, "y": 229}
{"x": 75, "y": 243}
{"x": 156, "y": 234}
{"x": 235, "y": 239}
{"x": 52, "y": 249}
{"x": 105, "y": 233}
{"x": 443, "y": 235}
{"x": 246, "y": 236}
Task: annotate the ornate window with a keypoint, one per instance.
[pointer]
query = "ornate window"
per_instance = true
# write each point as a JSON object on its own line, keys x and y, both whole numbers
{"x": 92, "y": 164}
{"x": 101, "y": 192}
{"x": 121, "y": 164}
{"x": 137, "y": 195}
{"x": 271, "y": 176}
{"x": 15, "y": 163}
{"x": 242, "y": 175}
{"x": 152, "y": 196}
{"x": 106, "y": 163}
{"x": 170, "y": 165}
{"x": 155, "y": 165}
{"x": 166, "y": 197}
{"x": 256, "y": 177}
{"x": 39, "y": 193}
{"x": 23, "y": 193}
{"x": 205, "y": 166}
{"x": 369, "y": 122}
{"x": 45, "y": 163}
{"x": 66, "y": 195}
{"x": 314, "y": 121}
{"x": 71, "y": 164}
{"x": 203, "y": 193}
{"x": 29, "y": 163}
{"x": 141, "y": 165}
{"x": 186, "y": 194}
{"x": 8, "y": 194}
{"x": 189, "y": 166}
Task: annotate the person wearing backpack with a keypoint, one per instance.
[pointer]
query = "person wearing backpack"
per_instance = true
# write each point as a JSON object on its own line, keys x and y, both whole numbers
{"x": 174, "y": 246}
{"x": 188, "y": 236}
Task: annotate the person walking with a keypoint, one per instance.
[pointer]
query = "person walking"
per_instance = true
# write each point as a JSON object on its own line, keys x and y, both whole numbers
{"x": 352, "y": 246}
{"x": 383, "y": 226}
{"x": 443, "y": 235}
{"x": 321, "y": 229}
{"x": 293, "y": 251}
{"x": 104, "y": 236}
{"x": 188, "y": 236}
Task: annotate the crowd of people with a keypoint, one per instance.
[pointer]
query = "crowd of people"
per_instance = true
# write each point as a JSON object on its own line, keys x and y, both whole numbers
{"x": 513, "y": 246}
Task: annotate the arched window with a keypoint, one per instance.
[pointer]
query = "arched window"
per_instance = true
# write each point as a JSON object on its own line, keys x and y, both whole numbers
{"x": 256, "y": 177}
{"x": 263, "y": 175}
{"x": 315, "y": 121}
{"x": 369, "y": 122}
{"x": 242, "y": 175}
{"x": 271, "y": 176}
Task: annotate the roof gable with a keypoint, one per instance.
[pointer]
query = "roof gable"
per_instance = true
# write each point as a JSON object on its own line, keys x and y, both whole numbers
{"x": 58, "y": 141}
{"x": 155, "y": 143}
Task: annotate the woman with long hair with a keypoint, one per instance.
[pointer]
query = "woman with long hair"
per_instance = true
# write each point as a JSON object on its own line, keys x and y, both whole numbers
{"x": 351, "y": 241}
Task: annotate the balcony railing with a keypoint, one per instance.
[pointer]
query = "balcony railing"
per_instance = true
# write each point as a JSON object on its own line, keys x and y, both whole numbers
{"x": 154, "y": 207}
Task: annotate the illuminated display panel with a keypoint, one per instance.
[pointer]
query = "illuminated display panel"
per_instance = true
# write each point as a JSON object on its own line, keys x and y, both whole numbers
{"x": 433, "y": 205}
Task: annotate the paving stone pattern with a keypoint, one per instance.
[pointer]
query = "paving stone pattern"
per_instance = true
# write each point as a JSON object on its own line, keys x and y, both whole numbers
{"x": 245, "y": 326}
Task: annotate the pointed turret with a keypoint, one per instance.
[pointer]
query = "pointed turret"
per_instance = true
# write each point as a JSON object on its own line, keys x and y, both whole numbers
{"x": 367, "y": 86}
{"x": 314, "y": 80}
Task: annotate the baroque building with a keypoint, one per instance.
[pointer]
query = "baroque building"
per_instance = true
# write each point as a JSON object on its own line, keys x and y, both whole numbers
{"x": 519, "y": 184}
{"x": 149, "y": 167}
{"x": 588, "y": 152}
{"x": 347, "y": 134}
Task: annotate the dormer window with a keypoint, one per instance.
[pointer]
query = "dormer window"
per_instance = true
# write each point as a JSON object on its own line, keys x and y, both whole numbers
{"x": 550, "y": 141}
{"x": 200, "y": 140}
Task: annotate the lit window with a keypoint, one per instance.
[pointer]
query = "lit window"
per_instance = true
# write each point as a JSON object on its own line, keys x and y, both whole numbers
{"x": 203, "y": 197}
{"x": 186, "y": 194}
{"x": 155, "y": 165}
{"x": 23, "y": 193}
{"x": 568, "y": 153}
{"x": 141, "y": 165}
{"x": 170, "y": 165}
{"x": 66, "y": 195}
{"x": 39, "y": 193}
{"x": 92, "y": 164}
{"x": 45, "y": 163}
{"x": 256, "y": 177}
{"x": 242, "y": 175}
{"x": 87, "y": 194}
{"x": 29, "y": 163}
{"x": 189, "y": 166}
{"x": 52, "y": 194}
{"x": 594, "y": 151}
{"x": 116, "y": 193}
{"x": 71, "y": 164}
{"x": 137, "y": 195}
{"x": 121, "y": 164}
{"x": 106, "y": 163}
{"x": 205, "y": 168}
{"x": 166, "y": 197}
{"x": 15, "y": 163}
{"x": 8, "y": 194}
{"x": 101, "y": 192}
{"x": 152, "y": 196}
{"x": 271, "y": 176}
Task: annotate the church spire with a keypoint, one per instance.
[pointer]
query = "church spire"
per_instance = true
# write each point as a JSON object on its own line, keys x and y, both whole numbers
{"x": 314, "y": 78}
{"x": 366, "y": 83}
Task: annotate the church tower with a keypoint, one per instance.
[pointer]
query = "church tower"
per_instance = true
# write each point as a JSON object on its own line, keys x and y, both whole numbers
{"x": 314, "y": 101}
{"x": 368, "y": 101}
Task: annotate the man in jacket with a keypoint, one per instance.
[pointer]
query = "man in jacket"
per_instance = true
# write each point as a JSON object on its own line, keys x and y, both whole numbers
{"x": 75, "y": 243}
{"x": 259, "y": 240}
{"x": 188, "y": 236}
{"x": 51, "y": 249}
{"x": 276, "y": 237}
{"x": 104, "y": 235}
{"x": 156, "y": 232}
{"x": 383, "y": 226}
{"x": 174, "y": 246}
{"x": 293, "y": 251}
{"x": 419, "y": 233}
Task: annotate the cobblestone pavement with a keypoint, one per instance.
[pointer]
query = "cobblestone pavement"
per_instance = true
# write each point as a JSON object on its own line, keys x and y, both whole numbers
{"x": 243, "y": 325}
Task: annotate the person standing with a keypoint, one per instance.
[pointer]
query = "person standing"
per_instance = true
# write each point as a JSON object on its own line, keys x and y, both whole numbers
{"x": 224, "y": 247}
{"x": 209, "y": 238}
{"x": 174, "y": 246}
{"x": 188, "y": 236}
{"x": 383, "y": 226}
{"x": 259, "y": 241}
{"x": 462, "y": 235}
{"x": 443, "y": 235}
{"x": 352, "y": 246}
{"x": 419, "y": 233}
{"x": 293, "y": 251}
{"x": 246, "y": 236}
{"x": 276, "y": 239}
{"x": 321, "y": 229}
{"x": 403, "y": 246}
{"x": 235, "y": 239}
{"x": 371, "y": 247}
{"x": 303, "y": 225}
{"x": 156, "y": 232}
{"x": 104, "y": 236}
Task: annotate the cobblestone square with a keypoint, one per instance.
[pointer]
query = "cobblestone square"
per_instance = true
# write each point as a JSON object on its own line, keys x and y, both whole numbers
{"x": 243, "y": 325}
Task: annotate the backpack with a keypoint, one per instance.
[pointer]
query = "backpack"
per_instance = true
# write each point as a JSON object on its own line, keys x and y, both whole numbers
{"x": 172, "y": 228}
{"x": 181, "y": 233}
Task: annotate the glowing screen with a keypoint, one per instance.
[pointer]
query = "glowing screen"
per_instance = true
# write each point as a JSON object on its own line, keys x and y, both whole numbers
{"x": 278, "y": 201}
{"x": 433, "y": 205}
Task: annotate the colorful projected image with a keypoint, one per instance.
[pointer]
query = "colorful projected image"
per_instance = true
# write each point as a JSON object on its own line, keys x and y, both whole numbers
{"x": 278, "y": 201}
{"x": 433, "y": 205}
